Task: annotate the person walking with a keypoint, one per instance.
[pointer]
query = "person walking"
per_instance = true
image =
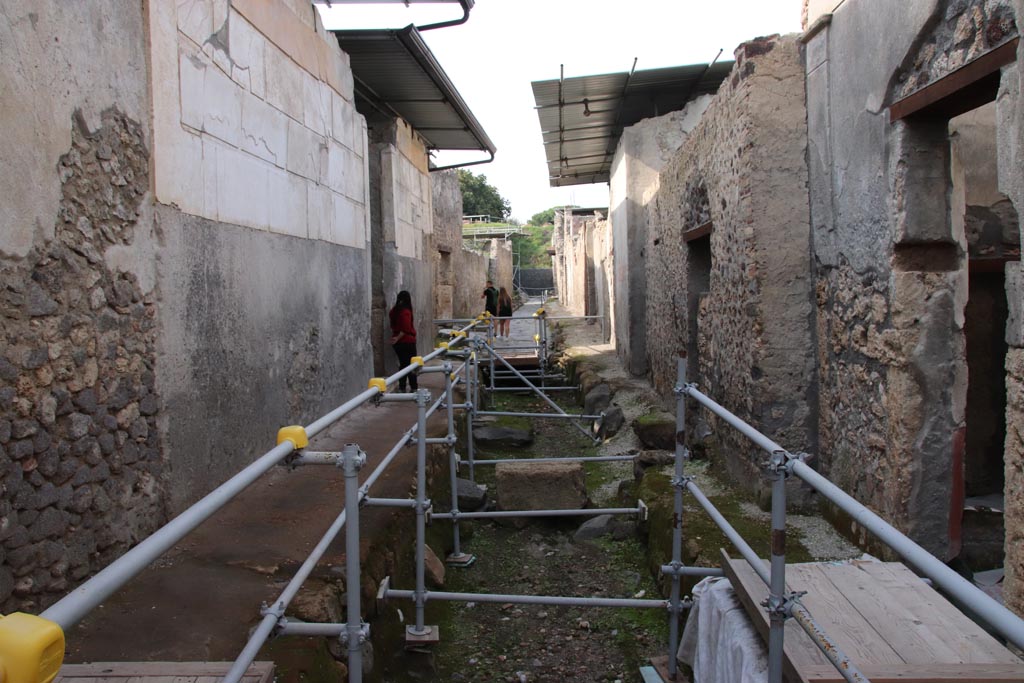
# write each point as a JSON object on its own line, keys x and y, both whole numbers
{"x": 490, "y": 296}
{"x": 403, "y": 336}
{"x": 504, "y": 311}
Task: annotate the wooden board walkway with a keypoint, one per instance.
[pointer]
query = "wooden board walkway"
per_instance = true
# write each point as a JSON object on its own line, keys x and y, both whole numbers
{"x": 160, "y": 672}
{"x": 892, "y": 625}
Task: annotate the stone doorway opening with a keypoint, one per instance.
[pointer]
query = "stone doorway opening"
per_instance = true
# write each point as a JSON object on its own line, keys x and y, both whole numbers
{"x": 991, "y": 239}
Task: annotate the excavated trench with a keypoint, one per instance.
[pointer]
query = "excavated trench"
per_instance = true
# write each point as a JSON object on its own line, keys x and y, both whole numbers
{"x": 525, "y": 643}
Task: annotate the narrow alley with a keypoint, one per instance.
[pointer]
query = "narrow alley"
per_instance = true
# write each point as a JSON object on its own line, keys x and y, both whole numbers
{"x": 318, "y": 363}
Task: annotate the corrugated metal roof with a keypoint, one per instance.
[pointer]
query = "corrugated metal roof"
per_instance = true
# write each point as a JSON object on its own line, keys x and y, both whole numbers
{"x": 580, "y": 137}
{"x": 396, "y": 70}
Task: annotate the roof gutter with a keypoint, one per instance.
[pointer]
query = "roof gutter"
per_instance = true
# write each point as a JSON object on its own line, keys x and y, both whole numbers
{"x": 468, "y": 163}
{"x": 466, "y": 6}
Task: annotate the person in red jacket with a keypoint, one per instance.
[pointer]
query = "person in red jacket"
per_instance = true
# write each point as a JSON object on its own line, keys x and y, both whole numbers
{"x": 403, "y": 336}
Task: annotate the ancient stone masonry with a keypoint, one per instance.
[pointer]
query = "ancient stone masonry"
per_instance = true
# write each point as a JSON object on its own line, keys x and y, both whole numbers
{"x": 80, "y": 452}
{"x": 742, "y": 169}
{"x": 964, "y": 31}
{"x": 1014, "y": 520}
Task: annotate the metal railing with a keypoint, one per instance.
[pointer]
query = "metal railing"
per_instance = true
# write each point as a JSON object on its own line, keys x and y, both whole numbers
{"x": 475, "y": 350}
{"x": 783, "y": 605}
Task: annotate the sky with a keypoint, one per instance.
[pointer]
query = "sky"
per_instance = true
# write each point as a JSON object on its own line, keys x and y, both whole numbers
{"x": 506, "y": 44}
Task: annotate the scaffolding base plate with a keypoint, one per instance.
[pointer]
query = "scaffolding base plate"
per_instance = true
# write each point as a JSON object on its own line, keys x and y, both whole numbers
{"x": 461, "y": 560}
{"x": 430, "y": 636}
{"x": 658, "y": 672}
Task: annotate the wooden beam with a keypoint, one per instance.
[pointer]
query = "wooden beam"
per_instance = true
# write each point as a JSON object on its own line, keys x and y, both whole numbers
{"x": 923, "y": 673}
{"x": 995, "y": 264}
{"x": 698, "y": 232}
{"x": 972, "y": 85}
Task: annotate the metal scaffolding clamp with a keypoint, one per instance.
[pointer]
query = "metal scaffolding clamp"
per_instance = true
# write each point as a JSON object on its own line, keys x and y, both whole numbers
{"x": 682, "y": 481}
{"x": 364, "y": 634}
{"x": 683, "y": 389}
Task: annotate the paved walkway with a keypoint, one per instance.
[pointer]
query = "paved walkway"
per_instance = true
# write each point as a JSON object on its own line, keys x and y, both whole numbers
{"x": 199, "y": 601}
{"x": 521, "y": 330}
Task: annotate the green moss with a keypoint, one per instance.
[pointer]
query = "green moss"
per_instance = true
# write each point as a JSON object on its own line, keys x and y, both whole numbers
{"x": 655, "y": 419}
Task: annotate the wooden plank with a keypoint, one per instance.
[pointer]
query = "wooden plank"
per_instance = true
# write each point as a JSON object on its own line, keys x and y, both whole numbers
{"x": 924, "y": 673}
{"x": 954, "y": 88}
{"x": 698, "y": 232}
{"x": 893, "y": 624}
{"x": 96, "y": 672}
{"x": 799, "y": 652}
{"x": 852, "y": 632}
{"x": 968, "y": 641}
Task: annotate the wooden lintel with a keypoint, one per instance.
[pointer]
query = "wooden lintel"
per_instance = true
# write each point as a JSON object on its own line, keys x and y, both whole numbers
{"x": 991, "y": 264}
{"x": 698, "y": 232}
{"x": 967, "y": 88}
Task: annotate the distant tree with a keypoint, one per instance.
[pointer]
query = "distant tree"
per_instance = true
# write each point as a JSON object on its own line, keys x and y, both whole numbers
{"x": 543, "y": 218}
{"x": 533, "y": 246}
{"x": 481, "y": 198}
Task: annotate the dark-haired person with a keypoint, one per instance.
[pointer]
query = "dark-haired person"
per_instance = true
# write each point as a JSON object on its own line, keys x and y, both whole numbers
{"x": 403, "y": 336}
{"x": 504, "y": 311}
{"x": 490, "y": 297}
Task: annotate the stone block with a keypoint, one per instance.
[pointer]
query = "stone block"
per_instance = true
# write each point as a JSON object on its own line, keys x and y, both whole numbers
{"x": 656, "y": 430}
{"x": 304, "y": 150}
{"x": 320, "y": 212}
{"x": 317, "y": 107}
{"x": 285, "y": 83}
{"x": 613, "y": 421}
{"x": 221, "y": 106}
{"x": 471, "y": 496}
{"x": 333, "y": 172}
{"x": 195, "y": 19}
{"x": 264, "y": 131}
{"x": 540, "y": 486}
{"x": 287, "y": 203}
{"x": 597, "y": 399}
{"x": 241, "y": 188}
{"x": 433, "y": 567}
{"x": 594, "y": 528}
{"x": 507, "y": 437}
{"x": 346, "y": 222}
{"x": 247, "y": 47}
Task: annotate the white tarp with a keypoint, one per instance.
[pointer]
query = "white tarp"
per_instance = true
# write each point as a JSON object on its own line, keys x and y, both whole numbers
{"x": 719, "y": 642}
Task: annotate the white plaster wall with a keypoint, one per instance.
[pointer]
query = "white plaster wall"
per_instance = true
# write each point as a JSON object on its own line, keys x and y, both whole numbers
{"x": 254, "y": 121}
{"x": 406, "y": 197}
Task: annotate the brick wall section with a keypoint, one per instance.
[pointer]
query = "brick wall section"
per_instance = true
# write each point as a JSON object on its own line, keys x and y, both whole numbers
{"x": 745, "y": 164}
{"x": 80, "y": 452}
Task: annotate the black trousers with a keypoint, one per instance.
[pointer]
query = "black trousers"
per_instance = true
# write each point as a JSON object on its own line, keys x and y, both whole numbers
{"x": 405, "y": 351}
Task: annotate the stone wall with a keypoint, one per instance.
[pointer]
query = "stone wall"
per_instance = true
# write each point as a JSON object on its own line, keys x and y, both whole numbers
{"x": 747, "y": 317}
{"x": 642, "y": 152}
{"x": 473, "y": 270}
{"x": 535, "y": 279}
{"x": 80, "y": 449}
{"x": 447, "y": 203}
{"x": 890, "y": 208}
{"x": 162, "y": 316}
{"x": 401, "y": 231}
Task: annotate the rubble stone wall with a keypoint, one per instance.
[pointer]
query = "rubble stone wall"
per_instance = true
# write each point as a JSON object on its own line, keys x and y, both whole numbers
{"x": 743, "y": 167}
{"x": 890, "y": 253}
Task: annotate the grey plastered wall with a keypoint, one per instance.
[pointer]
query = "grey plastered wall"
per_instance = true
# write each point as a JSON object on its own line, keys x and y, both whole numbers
{"x": 890, "y": 259}
{"x": 257, "y": 331}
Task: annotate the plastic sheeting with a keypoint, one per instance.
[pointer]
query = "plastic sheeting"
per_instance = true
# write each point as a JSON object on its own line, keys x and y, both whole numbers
{"x": 719, "y": 642}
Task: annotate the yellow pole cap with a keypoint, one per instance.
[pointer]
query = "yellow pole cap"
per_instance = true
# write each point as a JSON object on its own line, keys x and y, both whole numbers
{"x": 458, "y": 333}
{"x": 294, "y": 433}
{"x": 380, "y": 383}
{"x": 540, "y": 311}
{"x": 416, "y": 360}
{"x": 443, "y": 345}
{"x": 31, "y": 649}
{"x": 536, "y": 338}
